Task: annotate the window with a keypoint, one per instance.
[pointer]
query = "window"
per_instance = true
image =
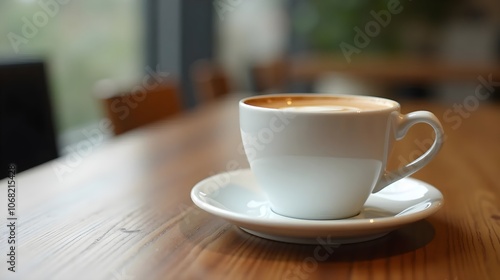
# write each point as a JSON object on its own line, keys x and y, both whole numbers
{"x": 82, "y": 41}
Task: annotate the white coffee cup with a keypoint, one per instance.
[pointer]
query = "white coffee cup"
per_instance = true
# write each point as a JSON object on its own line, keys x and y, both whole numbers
{"x": 320, "y": 156}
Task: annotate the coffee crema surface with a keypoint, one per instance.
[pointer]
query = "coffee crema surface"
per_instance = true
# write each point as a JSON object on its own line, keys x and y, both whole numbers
{"x": 327, "y": 104}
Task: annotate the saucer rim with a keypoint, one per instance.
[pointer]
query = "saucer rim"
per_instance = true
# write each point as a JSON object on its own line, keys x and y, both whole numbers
{"x": 340, "y": 224}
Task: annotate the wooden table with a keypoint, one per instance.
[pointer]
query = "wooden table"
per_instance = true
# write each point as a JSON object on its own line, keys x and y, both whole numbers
{"x": 123, "y": 210}
{"x": 380, "y": 69}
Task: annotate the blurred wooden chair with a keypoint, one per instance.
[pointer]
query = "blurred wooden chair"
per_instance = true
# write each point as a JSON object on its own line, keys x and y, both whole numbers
{"x": 271, "y": 77}
{"x": 128, "y": 110}
{"x": 210, "y": 80}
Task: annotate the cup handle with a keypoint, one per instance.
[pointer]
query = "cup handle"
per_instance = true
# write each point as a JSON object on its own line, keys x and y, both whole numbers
{"x": 403, "y": 124}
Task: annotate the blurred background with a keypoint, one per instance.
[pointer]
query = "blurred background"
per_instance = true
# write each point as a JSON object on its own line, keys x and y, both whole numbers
{"x": 93, "y": 50}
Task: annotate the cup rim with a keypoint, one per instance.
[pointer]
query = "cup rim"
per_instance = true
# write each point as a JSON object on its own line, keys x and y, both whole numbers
{"x": 393, "y": 105}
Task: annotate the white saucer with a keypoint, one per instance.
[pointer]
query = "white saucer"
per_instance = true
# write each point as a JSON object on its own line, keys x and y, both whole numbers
{"x": 235, "y": 197}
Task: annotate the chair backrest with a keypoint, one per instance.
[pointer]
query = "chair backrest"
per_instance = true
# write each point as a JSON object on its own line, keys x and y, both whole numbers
{"x": 142, "y": 106}
{"x": 28, "y": 135}
{"x": 270, "y": 77}
{"x": 210, "y": 80}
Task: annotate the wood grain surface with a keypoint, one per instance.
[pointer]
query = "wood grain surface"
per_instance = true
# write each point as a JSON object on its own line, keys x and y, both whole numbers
{"x": 123, "y": 211}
